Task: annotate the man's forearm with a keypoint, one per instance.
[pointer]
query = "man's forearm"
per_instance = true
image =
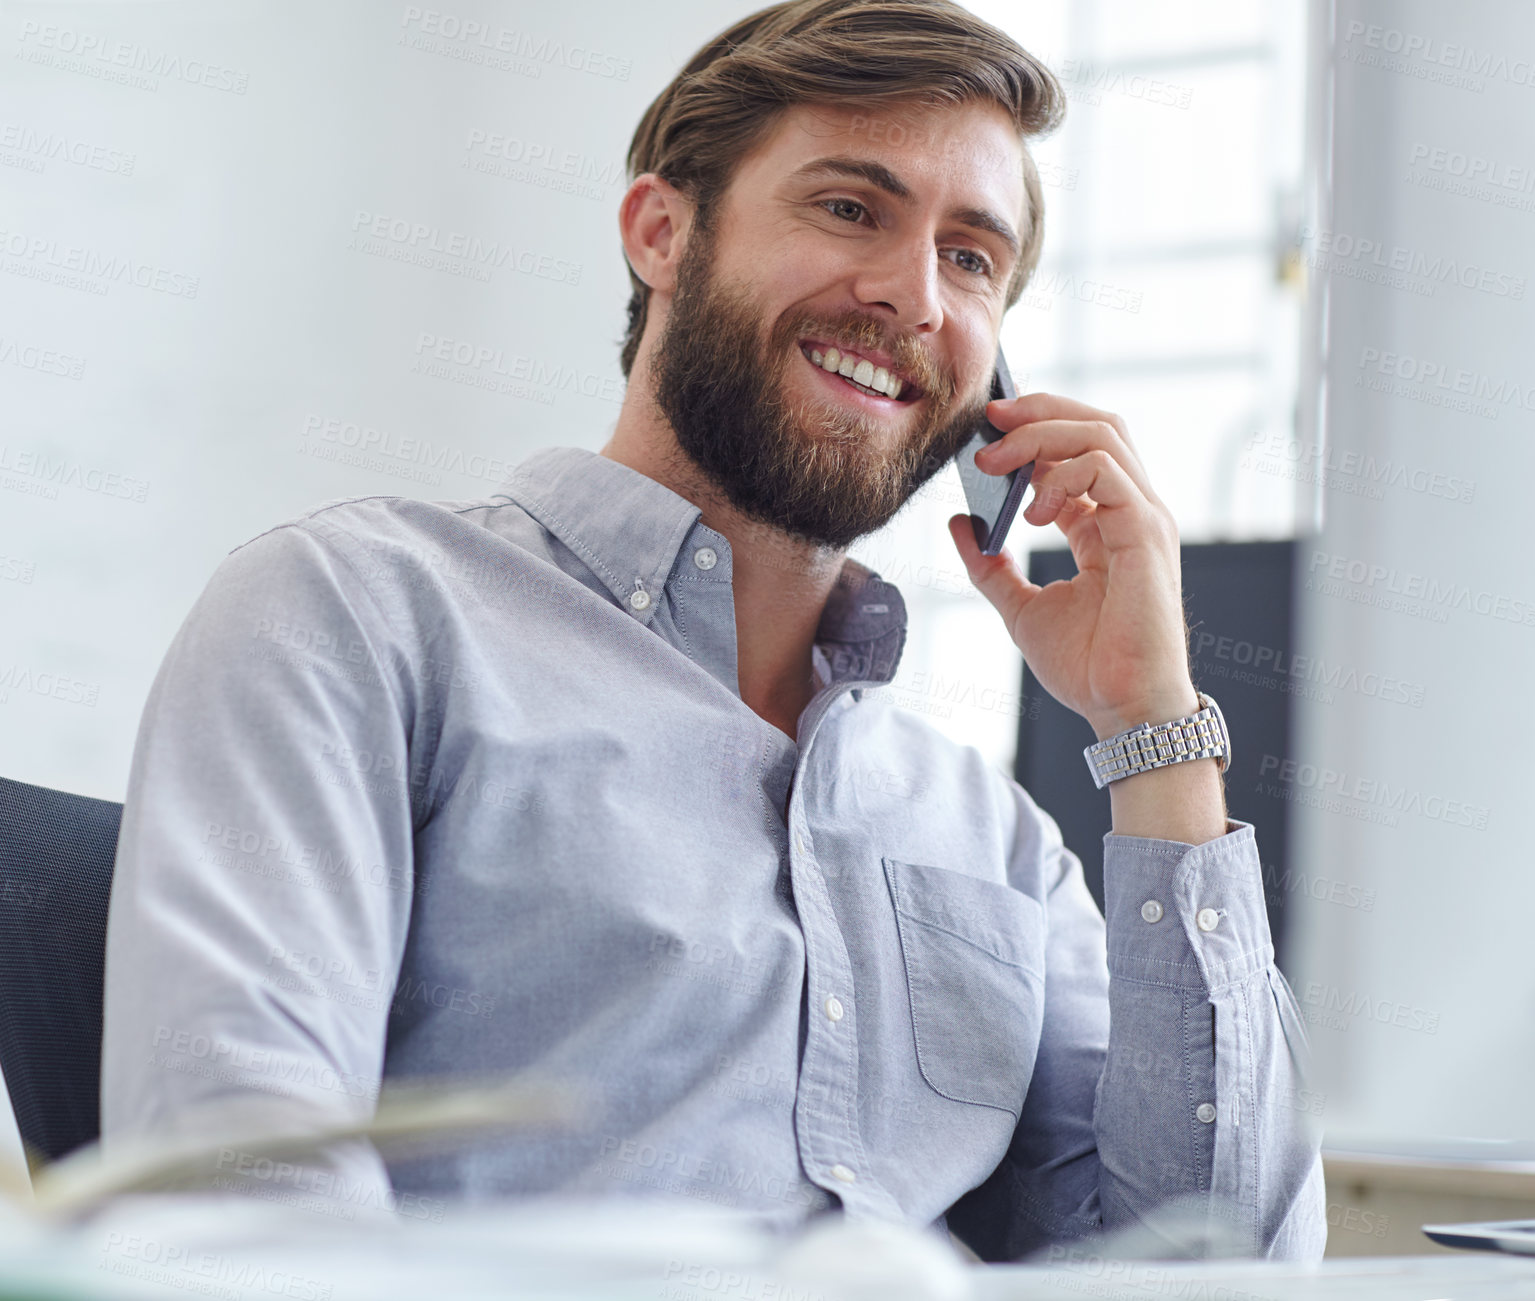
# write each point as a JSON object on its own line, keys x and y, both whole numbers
{"x": 1183, "y": 801}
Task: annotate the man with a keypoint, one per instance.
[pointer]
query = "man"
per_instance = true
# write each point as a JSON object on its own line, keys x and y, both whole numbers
{"x": 572, "y": 780}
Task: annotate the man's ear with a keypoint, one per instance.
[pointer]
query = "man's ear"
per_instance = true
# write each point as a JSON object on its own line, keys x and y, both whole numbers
{"x": 653, "y": 221}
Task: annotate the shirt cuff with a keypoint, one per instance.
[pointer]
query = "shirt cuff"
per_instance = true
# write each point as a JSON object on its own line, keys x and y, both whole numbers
{"x": 1157, "y": 893}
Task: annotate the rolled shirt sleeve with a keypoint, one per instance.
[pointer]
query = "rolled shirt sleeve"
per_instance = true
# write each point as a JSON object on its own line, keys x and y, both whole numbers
{"x": 261, "y": 896}
{"x": 1171, "y": 1060}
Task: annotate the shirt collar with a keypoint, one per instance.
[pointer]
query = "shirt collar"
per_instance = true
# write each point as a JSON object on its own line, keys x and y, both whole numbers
{"x": 626, "y": 526}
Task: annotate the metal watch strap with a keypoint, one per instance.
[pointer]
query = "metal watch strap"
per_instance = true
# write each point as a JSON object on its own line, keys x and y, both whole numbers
{"x": 1200, "y": 735}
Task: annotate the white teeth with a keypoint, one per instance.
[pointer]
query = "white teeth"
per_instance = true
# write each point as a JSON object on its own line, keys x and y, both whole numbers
{"x": 859, "y": 371}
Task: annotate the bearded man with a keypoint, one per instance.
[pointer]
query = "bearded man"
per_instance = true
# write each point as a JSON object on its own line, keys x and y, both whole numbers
{"x": 574, "y": 779}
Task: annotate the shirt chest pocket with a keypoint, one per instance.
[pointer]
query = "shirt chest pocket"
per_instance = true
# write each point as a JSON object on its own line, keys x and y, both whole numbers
{"x": 975, "y": 970}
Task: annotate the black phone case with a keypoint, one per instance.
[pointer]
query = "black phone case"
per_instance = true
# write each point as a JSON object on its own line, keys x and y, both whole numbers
{"x": 993, "y": 499}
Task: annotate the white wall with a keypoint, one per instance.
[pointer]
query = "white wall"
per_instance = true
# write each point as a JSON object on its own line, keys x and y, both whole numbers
{"x": 255, "y": 310}
{"x": 1413, "y": 960}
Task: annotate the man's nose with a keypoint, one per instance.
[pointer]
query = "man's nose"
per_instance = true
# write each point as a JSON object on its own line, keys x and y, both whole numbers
{"x": 904, "y": 278}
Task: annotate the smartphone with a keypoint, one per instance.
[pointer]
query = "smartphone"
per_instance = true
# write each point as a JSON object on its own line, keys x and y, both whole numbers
{"x": 993, "y": 499}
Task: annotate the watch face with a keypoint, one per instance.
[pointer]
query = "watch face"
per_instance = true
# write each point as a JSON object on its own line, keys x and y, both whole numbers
{"x": 1220, "y": 718}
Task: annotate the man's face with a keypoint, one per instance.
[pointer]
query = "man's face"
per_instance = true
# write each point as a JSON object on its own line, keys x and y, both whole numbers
{"x": 800, "y": 261}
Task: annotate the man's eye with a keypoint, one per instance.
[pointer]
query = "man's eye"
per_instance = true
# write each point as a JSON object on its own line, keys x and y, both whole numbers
{"x": 981, "y": 265}
{"x": 829, "y": 204}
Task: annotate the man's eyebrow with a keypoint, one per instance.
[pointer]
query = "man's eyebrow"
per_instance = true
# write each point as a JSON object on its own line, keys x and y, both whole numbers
{"x": 882, "y": 178}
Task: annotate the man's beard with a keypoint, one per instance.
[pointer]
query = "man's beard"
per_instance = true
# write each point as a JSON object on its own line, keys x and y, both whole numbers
{"x": 819, "y": 471}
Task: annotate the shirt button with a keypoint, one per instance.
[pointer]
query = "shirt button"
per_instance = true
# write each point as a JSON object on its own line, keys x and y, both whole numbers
{"x": 705, "y": 557}
{"x": 843, "y": 1173}
{"x": 1151, "y": 911}
{"x": 834, "y": 1008}
{"x": 639, "y": 600}
{"x": 1207, "y": 919}
{"x": 1206, "y": 1112}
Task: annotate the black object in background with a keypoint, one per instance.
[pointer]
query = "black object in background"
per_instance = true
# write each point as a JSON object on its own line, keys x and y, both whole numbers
{"x": 1239, "y": 604}
{"x": 57, "y": 853}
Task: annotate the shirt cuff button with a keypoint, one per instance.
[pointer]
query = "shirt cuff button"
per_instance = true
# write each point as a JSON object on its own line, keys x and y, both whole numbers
{"x": 1151, "y": 911}
{"x": 1207, "y": 919}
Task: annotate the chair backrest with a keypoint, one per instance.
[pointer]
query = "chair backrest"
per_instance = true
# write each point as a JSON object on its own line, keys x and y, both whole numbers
{"x": 56, "y": 856}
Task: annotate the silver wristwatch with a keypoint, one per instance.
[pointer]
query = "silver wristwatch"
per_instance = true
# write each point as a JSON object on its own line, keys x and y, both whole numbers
{"x": 1200, "y": 735}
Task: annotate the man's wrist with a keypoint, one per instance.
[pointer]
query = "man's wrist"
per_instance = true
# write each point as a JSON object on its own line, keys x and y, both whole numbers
{"x": 1159, "y": 709}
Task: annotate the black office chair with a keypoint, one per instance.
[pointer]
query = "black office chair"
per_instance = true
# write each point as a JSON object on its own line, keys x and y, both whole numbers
{"x": 56, "y": 856}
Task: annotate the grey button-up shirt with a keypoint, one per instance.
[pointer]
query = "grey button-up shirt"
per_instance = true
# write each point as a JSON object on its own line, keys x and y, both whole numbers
{"x": 433, "y": 788}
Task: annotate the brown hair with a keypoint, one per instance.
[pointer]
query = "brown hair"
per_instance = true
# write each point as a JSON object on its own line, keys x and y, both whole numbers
{"x": 872, "y": 53}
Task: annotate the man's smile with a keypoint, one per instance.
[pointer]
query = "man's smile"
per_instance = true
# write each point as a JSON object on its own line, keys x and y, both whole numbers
{"x": 857, "y": 377}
